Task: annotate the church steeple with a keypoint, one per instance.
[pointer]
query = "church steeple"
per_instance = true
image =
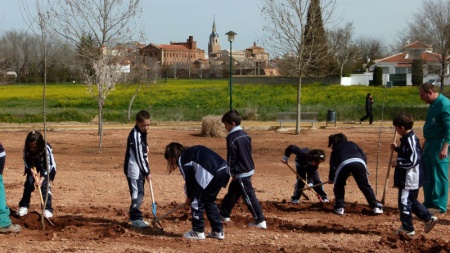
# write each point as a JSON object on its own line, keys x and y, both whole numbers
{"x": 214, "y": 41}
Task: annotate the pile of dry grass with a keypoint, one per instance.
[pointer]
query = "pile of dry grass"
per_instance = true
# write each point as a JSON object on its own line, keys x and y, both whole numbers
{"x": 212, "y": 127}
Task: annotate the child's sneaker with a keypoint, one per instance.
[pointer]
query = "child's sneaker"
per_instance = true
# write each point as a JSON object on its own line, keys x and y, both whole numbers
{"x": 262, "y": 224}
{"x": 216, "y": 235}
{"x": 22, "y": 211}
{"x": 48, "y": 214}
{"x": 339, "y": 211}
{"x": 139, "y": 224}
{"x": 225, "y": 219}
{"x": 325, "y": 200}
{"x": 13, "y": 228}
{"x": 377, "y": 210}
{"x": 428, "y": 225}
{"x": 402, "y": 230}
{"x": 194, "y": 235}
{"x": 295, "y": 201}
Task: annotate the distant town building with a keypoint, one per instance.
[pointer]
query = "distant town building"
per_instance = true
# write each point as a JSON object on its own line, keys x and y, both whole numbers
{"x": 185, "y": 59}
{"x": 174, "y": 53}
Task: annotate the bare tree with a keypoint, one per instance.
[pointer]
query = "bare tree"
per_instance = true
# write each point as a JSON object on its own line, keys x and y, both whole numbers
{"x": 431, "y": 25}
{"x": 143, "y": 73}
{"x": 109, "y": 23}
{"x": 370, "y": 49}
{"x": 341, "y": 45}
{"x": 291, "y": 32}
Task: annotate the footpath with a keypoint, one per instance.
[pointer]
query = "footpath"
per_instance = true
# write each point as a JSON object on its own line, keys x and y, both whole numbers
{"x": 192, "y": 125}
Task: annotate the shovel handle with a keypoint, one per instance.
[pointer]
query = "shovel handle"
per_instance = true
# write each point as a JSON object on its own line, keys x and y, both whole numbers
{"x": 168, "y": 213}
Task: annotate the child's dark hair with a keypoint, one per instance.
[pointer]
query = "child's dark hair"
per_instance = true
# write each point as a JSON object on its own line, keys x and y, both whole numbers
{"x": 173, "y": 150}
{"x": 142, "y": 115}
{"x": 335, "y": 139}
{"x": 232, "y": 117}
{"x": 34, "y": 137}
{"x": 404, "y": 120}
{"x": 316, "y": 155}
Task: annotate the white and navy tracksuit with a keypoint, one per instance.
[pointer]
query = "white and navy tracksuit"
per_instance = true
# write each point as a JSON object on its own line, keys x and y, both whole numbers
{"x": 136, "y": 168}
{"x": 348, "y": 159}
{"x": 239, "y": 156}
{"x": 409, "y": 175}
{"x": 305, "y": 170}
{"x": 205, "y": 173}
{"x": 40, "y": 163}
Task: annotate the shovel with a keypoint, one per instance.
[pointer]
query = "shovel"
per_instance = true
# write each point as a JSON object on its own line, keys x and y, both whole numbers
{"x": 169, "y": 212}
{"x": 36, "y": 182}
{"x": 306, "y": 183}
{"x": 154, "y": 205}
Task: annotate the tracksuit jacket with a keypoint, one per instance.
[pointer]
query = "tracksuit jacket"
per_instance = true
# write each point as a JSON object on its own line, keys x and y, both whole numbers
{"x": 40, "y": 163}
{"x": 409, "y": 173}
{"x": 301, "y": 160}
{"x": 136, "y": 158}
{"x": 199, "y": 165}
{"x": 239, "y": 153}
{"x": 344, "y": 153}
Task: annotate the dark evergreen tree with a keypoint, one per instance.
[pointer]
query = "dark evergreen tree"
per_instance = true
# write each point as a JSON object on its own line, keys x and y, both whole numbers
{"x": 377, "y": 76}
{"x": 316, "y": 42}
{"x": 417, "y": 72}
{"x": 87, "y": 52}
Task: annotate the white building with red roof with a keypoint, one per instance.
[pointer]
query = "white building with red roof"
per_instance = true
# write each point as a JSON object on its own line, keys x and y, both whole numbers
{"x": 397, "y": 68}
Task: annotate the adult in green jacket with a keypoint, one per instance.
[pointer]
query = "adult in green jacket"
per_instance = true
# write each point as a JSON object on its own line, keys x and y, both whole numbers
{"x": 436, "y": 132}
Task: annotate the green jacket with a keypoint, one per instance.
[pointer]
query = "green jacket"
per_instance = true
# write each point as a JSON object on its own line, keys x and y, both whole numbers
{"x": 437, "y": 124}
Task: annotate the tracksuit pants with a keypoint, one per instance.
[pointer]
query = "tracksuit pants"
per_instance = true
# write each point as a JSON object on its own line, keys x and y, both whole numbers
{"x": 136, "y": 187}
{"x": 408, "y": 205}
{"x": 242, "y": 187}
{"x": 359, "y": 172}
{"x": 313, "y": 178}
{"x": 29, "y": 188}
{"x": 205, "y": 201}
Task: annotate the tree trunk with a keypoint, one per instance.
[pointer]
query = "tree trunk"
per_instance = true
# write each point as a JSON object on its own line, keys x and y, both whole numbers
{"x": 132, "y": 100}
{"x": 299, "y": 99}
{"x": 100, "y": 124}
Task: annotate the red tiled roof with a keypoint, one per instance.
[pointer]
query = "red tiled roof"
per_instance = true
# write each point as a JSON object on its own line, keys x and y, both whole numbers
{"x": 401, "y": 58}
{"x": 417, "y": 44}
{"x": 170, "y": 47}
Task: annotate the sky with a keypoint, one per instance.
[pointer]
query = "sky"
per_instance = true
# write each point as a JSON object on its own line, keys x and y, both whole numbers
{"x": 164, "y": 21}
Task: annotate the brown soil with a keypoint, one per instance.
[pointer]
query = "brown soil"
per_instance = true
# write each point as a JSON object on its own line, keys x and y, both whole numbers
{"x": 91, "y": 197}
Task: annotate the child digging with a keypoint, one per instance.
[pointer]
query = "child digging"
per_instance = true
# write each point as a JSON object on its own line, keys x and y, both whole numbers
{"x": 37, "y": 165}
{"x": 136, "y": 167}
{"x": 239, "y": 158}
{"x": 204, "y": 173}
{"x": 409, "y": 176}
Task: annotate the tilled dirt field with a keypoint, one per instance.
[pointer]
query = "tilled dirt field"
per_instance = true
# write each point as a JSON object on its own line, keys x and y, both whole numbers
{"x": 91, "y": 197}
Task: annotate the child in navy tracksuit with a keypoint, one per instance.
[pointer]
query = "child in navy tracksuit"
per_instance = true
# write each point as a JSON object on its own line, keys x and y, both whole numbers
{"x": 136, "y": 167}
{"x": 36, "y": 165}
{"x": 239, "y": 157}
{"x": 306, "y": 162}
{"x": 409, "y": 175}
{"x": 347, "y": 159}
{"x": 205, "y": 173}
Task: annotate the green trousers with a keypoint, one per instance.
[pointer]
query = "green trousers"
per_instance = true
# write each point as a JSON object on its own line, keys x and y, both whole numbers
{"x": 5, "y": 221}
{"x": 435, "y": 190}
